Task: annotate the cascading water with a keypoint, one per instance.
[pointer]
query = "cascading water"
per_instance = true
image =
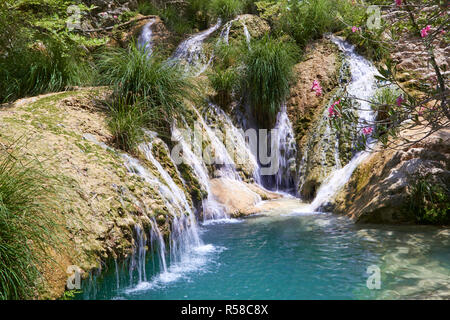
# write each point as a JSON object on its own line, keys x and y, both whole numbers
{"x": 362, "y": 87}
{"x": 145, "y": 38}
{"x": 191, "y": 51}
{"x": 248, "y": 37}
{"x": 185, "y": 251}
{"x": 234, "y": 138}
{"x": 286, "y": 148}
{"x": 212, "y": 210}
{"x": 225, "y": 33}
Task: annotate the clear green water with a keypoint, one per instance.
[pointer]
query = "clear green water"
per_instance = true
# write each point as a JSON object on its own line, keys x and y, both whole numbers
{"x": 295, "y": 257}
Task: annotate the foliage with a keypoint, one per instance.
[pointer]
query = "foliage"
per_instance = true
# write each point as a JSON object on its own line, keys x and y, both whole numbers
{"x": 268, "y": 71}
{"x": 40, "y": 69}
{"x": 38, "y": 53}
{"x": 308, "y": 20}
{"x": 28, "y": 222}
{"x": 126, "y": 122}
{"x": 225, "y": 9}
{"x": 144, "y": 83}
{"x": 425, "y": 109}
{"x": 430, "y": 202}
{"x": 225, "y": 82}
{"x": 227, "y": 72}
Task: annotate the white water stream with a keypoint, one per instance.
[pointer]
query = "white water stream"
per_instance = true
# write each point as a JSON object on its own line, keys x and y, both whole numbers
{"x": 362, "y": 86}
{"x": 145, "y": 38}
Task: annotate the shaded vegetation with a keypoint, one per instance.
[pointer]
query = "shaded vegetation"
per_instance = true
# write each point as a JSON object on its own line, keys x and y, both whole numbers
{"x": 430, "y": 202}
{"x": 28, "y": 221}
{"x": 38, "y": 53}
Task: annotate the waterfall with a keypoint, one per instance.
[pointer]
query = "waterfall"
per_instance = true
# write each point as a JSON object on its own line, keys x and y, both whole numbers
{"x": 145, "y": 38}
{"x": 225, "y": 33}
{"x": 361, "y": 86}
{"x": 138, "y": 256}
{"x": 191, "y": 51}
{"x": 235, "y": 142}
{"x": 184, "y": 251}
{"x": 157, "y": 245}
{"x": 212, "y": 210}
{"x": 286, "y": 152}
{"x": 248, "y": 37}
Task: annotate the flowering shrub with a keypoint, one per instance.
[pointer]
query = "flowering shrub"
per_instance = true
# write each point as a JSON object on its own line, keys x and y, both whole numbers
{"x": 425, "y": 109}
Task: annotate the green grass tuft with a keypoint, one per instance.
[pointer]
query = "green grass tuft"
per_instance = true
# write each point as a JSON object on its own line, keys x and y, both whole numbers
{"x": 28, "y": 223}
{"x": 267, "y": 77}
{"x": 146, "y": 89}
{"x": 226, "y": 9}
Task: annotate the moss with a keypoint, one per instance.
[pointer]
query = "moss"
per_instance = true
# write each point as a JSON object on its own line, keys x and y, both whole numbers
{"x": 192, "y": 184}
{"x": 362, "y": 176}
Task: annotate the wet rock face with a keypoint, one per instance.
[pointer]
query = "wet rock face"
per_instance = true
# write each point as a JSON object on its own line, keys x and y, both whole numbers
{"x": 256, "y": 26}
{"x": 315, "y": 158}
{"x": 378, "y": 190}
{"x": 161, "y": 36}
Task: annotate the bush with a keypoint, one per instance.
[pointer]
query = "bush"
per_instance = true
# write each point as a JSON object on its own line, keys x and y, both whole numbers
{"x": 225, "y": 9}
{"x": 126, "y": 122}
{"x": 268, "y": 71}
{"x": 39, "y": 69}
{"x": 430, "y": 202}
{"x": 309, "y": 20}
{"x": 224, "y": 82}
{"x": 37, "y": 53}
{"x": 157, "y": 88}
{"x": 227, "y": 71}
{"x": 28, "y": 223}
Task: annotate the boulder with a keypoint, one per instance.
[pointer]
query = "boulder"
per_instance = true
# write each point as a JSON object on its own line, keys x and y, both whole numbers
{"x": 161, "y": 36}
{"x": 237, "y": 198}
{"x": 378, "y": 190}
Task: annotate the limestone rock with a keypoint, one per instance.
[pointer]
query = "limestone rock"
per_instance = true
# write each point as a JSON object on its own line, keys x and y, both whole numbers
{"x": 377, "y": 191}
{"x": 236, "y": 196}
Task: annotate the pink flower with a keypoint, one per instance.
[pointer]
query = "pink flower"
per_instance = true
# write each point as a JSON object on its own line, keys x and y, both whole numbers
{"x": 443, "y": 31}
{"x": 115, "y": 17}
{"x": 399, "y": 101}
{"x": 316, "y": 87}
{"x": 354, "y": 29}
{"x": 424, "y": 31}
{"x": 398, "y": 2}
{"x": 332, "y": 111}
{"x": 421, "y": 110}
{"x": 367, "y": 131}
